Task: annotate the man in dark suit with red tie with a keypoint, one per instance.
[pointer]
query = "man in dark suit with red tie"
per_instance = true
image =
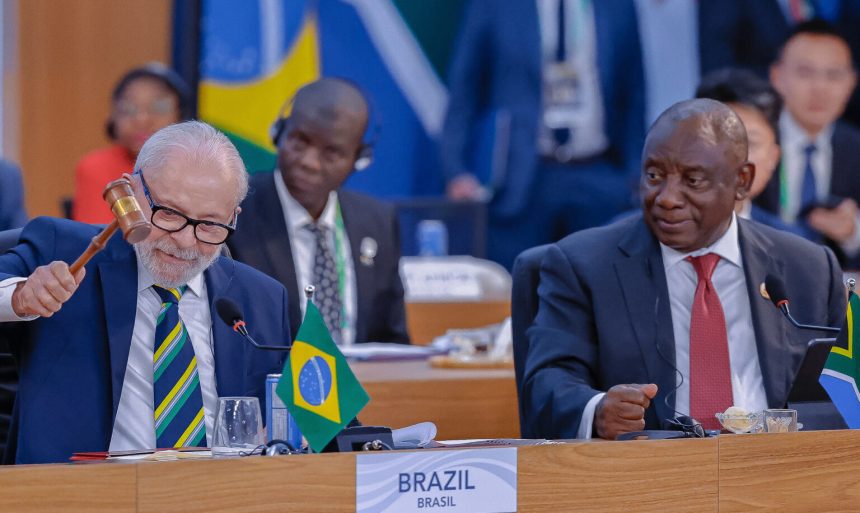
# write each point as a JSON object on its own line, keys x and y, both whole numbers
{"x": 663, "y": 314}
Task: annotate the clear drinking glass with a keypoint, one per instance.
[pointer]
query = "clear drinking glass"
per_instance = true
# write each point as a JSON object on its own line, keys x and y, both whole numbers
{"x": 238, "y": 426}
{"x": 780, "y": 421}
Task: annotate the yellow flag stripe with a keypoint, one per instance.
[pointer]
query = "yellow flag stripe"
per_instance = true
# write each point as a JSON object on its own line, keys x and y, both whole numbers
{"x": 849, "y": 352}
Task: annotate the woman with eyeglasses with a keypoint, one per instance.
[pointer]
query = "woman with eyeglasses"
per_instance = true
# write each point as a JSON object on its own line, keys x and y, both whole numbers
{"x": 144, "y": 100}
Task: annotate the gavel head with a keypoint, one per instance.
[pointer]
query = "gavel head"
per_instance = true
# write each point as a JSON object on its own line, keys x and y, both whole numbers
{"x": 133, "y": 223}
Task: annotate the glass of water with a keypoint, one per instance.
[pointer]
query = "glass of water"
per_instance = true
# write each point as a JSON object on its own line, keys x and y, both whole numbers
{"x": 238, "y": 426}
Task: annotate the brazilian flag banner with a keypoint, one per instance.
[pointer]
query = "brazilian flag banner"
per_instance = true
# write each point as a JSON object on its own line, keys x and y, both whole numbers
{"x": 317, "y": 386}
{"x": 841, "y": 372}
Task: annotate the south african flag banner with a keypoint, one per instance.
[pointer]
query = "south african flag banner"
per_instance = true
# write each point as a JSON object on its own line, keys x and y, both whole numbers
{"x": 842, "y": 369}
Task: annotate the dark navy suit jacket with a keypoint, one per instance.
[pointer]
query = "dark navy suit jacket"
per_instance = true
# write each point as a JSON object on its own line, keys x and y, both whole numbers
{"x": 844, "y": 178}
{"x": 262, "y": 241}
{"x": 12, "y": 211}
{"x": 604, "y": 318}
{"x": 72, "y": 365}
{"x": 496, "y": 79}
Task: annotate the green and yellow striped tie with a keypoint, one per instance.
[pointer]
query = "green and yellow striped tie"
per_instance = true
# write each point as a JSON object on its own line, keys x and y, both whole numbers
{"x": 179, "y": 415}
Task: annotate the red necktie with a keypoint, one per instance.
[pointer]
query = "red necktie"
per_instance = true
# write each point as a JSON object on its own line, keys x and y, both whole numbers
{"x": 710, "y": 372}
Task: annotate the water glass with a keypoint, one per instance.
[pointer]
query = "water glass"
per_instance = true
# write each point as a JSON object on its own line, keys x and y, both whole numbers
{"x": 238, "y": 426}
{"x": 780, "y": 421}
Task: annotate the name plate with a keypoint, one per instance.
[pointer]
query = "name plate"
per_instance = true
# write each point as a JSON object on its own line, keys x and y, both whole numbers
{"x": 469, "y": 480}
{"x": 442, "y": 279}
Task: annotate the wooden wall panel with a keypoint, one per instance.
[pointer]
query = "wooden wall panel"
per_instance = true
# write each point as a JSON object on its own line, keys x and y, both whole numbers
{"x": 71, "y": 54}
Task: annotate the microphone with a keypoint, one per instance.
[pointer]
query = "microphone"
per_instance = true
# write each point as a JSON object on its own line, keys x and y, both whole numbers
{"x": 776, "y": 291}
{"x": 231, "y": 314}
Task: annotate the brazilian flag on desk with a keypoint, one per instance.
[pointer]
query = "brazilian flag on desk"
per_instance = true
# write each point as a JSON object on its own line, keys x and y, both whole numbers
{"x": 841, "y": 372}
{"x": 317, "y": 386}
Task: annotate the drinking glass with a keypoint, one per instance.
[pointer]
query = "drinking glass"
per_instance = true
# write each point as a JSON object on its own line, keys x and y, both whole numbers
{"x": 780, "y": 421}
{"x": 238, "y": 426}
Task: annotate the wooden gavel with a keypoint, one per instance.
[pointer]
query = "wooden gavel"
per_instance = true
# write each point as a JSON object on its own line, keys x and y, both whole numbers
{"x": 128, "y": 217}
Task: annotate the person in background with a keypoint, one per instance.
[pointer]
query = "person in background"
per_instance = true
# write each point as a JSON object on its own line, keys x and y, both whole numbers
{"x": 750, "y": 33}
{"x": 145, "y": 100}
{"x": 818, "y": 183}
{"x": 661, "y": 315}
{"x": 128, "y": 353}
{"x": 300, "y": 227}
{"x": 557, "y": 87}
{"x": 13, "y": 213}
{"x": 759, "y": 106}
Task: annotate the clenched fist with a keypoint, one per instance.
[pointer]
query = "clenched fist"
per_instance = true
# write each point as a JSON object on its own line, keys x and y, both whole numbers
{"x": 622, "y": 410}
{"x": 46, "y": 290}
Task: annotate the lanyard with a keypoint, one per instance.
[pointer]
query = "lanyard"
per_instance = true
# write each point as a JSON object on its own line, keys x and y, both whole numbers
{"x": 340, "y": 261}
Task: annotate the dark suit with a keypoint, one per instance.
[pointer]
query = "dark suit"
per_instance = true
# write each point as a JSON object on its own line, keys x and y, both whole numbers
{"x": 604, "y": 318}
{"x": 844, "y": 178}
{"x": 496, "y": 84}
{"x": 262, "y": 241}
{"x": 750, "y": 33}
{"x": 72, "y": 365}
{"x": 12, "y": 211}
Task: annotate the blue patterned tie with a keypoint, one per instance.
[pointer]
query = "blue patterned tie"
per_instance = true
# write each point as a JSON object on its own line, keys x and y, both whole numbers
{"x": 325, "y": 279}
{"x": 808, "y": 191}
{"x": 179, "y": 419}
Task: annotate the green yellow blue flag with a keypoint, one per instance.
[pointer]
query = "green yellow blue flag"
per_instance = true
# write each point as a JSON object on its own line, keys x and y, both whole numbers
{"x": 842, "y": 369}
{"x": 317, "y": 386}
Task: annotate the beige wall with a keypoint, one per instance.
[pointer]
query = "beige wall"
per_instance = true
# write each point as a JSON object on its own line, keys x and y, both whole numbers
{"x": 71, "y": 52}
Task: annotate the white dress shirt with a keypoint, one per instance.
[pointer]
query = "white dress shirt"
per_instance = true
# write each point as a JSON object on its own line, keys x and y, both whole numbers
{"x": 793, "y": 140}
{"x": 588, "y": 131}
{"x": 134, "y": 427}
{"x": 731, "y": 286}
{"x": 303, "y": 246}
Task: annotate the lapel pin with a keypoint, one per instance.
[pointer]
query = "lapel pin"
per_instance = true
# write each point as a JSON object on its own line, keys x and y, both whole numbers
{"x": 367, "y": 251}
{"x": 763, "y": 291}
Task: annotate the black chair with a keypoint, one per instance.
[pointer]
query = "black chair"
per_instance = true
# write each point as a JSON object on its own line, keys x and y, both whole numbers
{"x": 8, "y": 366}
{"x": 466, "y": 222}
{"x": 524, "y": 305}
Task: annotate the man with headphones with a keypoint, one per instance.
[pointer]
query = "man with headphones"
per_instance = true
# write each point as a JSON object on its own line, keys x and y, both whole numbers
{"x": 301, "y": 228}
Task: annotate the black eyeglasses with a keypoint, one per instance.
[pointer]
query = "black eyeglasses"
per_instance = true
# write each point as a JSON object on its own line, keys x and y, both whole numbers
{"x": 170, "y": 220}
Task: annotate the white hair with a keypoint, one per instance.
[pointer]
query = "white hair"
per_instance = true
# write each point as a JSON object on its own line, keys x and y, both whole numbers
{"x": 198, "y": 141}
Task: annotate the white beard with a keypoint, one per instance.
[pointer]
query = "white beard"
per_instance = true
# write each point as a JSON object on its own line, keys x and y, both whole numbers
{"x": 167, "y": 274}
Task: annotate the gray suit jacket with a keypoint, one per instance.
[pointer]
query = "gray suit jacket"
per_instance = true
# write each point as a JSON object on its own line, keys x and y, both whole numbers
{"x": 604, "y": 318}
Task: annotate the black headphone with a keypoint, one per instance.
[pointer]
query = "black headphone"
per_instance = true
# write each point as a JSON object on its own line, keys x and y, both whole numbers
{"x": 685, "y": 424}
{"x": 278, "y": 448}
{"x": 365, "y": 152}
{"x": 157, "y": 71}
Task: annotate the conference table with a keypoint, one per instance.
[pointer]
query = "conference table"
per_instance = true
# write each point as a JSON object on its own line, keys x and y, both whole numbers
{"x": 804, "y": 472}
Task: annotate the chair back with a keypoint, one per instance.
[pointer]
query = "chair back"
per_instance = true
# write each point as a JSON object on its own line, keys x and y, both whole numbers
{"x": 524, "y": 305}
{"x": 465, "y": 221}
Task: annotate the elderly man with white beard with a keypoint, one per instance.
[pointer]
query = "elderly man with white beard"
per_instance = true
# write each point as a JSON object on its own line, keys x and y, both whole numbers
{"x": 127, "y": 354}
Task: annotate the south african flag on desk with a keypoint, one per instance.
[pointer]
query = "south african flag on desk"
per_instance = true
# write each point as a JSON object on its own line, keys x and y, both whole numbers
{"x": 317, "y": 386}
{"x": 841, "y": 372}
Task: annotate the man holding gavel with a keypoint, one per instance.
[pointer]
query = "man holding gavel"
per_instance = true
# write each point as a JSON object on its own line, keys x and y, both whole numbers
{"x": 124, "y": 353}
